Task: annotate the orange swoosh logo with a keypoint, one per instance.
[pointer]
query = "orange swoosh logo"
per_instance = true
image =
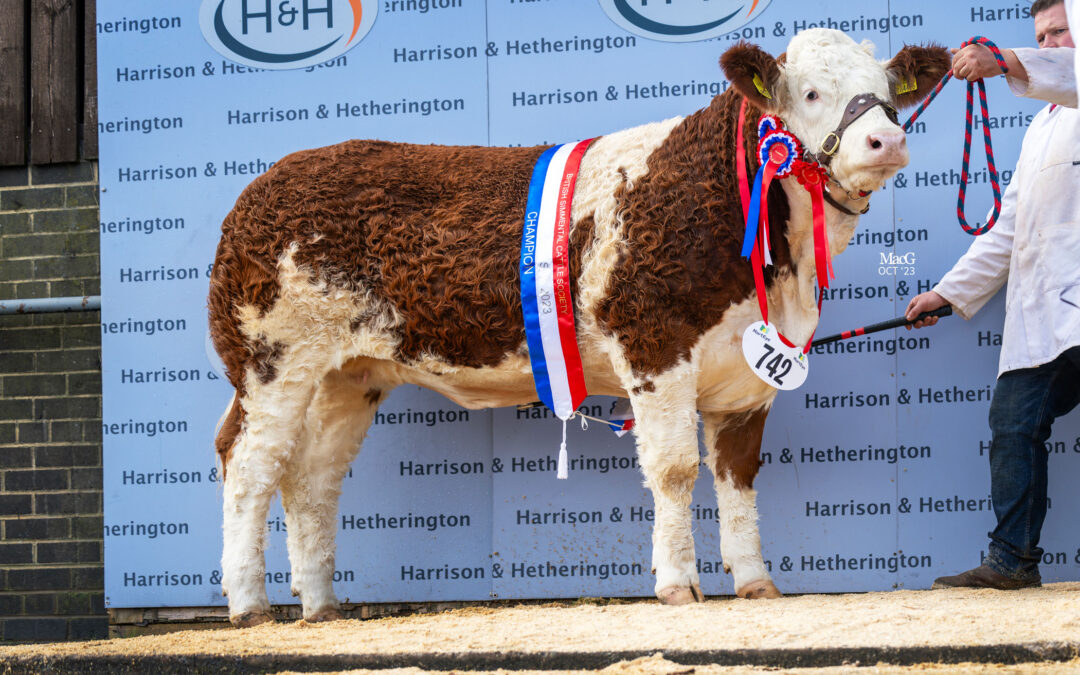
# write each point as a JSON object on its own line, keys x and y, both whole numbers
{"x": 752, "y": 8}
{"x": 358, "y": 12}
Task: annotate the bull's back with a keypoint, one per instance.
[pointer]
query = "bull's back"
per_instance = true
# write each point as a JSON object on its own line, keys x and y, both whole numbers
{"x": 432, "y": 232}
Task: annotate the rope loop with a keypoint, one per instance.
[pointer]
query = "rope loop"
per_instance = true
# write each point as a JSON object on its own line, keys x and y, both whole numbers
{"x": 995, "y": 183}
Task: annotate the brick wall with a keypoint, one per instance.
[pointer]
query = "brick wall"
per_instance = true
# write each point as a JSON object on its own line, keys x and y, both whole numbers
{"x": 51, "y": 571}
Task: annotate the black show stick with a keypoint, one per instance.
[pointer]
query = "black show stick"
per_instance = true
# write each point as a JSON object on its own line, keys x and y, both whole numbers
{"x": 884, "y": 325}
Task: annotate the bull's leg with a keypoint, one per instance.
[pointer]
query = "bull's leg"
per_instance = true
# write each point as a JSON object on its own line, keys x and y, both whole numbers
{"x": 667, "y": 444}
{"x": 274, "y": 415}
{"x": 734, "y": 445}
{"x": 334, "y": 428}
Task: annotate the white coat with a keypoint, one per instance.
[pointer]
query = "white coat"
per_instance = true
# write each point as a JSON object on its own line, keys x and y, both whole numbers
{"x": 1035, "y": 244}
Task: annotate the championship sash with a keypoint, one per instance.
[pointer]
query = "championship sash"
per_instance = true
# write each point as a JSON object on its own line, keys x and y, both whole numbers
{"x": 545, "y": 280}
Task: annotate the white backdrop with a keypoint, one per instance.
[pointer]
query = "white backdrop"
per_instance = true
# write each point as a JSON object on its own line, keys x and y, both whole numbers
{"x": 183, "y": 130}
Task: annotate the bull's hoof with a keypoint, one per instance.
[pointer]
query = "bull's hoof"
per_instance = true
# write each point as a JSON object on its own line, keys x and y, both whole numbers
{"x": 680, "y": 595}
{"x": 324, "y": 615}
{"x": 249, "y": 619}
{"x": 763, "y": 589}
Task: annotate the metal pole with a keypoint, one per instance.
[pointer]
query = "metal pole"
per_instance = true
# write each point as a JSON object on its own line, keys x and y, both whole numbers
{"x": 42, "y": 305}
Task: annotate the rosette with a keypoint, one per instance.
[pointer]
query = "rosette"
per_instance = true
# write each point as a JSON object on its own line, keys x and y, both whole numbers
{"x": 781, "y": 148}
{"x": 768, "y": 124}
{"x": 808, "y": 173}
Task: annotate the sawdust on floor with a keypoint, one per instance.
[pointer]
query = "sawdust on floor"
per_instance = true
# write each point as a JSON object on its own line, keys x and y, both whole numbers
{"x": 958, "y": 617}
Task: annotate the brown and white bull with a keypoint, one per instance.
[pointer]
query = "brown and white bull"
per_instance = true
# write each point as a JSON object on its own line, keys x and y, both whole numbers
{"x": 348, "y": 270}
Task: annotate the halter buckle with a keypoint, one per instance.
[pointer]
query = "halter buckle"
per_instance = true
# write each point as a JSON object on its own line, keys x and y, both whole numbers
{"x": 835, "y": 146}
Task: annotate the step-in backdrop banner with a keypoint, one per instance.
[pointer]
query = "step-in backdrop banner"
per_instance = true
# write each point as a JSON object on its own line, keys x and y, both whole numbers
{"x": 875, "y": 471}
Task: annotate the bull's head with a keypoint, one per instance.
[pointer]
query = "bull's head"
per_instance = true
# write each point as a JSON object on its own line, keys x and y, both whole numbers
{"x": 819, "y": 89}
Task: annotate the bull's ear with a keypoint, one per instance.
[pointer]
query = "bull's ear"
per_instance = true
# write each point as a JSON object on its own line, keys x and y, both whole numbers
{"x": 915, "y": 71}
{"x": 754, "y": 74}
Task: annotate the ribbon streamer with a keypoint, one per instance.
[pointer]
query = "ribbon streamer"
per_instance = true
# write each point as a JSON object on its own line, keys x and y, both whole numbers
{"x": 547, "y": 307}
{"x": 779, "y": 153}
{"x": 812, "y": 178}
{"x": 545, "y": 280}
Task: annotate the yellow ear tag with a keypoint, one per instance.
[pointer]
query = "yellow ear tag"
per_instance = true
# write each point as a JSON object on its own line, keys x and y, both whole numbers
{"x": 903, "y": 86}
{"x": 761, "y": 86}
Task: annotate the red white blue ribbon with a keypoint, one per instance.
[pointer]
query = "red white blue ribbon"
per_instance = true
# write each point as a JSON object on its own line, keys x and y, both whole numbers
{"x": 621, "y": 419}
{"x": 545, "y": 280}
{"x": 779, "y": 153}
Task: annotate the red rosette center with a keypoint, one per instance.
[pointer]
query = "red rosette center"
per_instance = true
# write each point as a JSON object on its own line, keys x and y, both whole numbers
{"x": 778, "y": 153}
{"x": 808, "y": 173}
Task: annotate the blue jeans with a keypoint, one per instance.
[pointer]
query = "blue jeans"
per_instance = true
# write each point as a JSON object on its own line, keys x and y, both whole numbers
{"x": 1025, "y": 404}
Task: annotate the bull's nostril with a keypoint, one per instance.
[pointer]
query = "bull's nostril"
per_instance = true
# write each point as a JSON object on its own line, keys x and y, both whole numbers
{"x": 875, "y": 144}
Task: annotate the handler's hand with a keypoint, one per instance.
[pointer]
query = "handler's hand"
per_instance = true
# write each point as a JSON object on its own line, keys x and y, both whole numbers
{"x": 924, "y": 302}
{"x": 974, "y": 62}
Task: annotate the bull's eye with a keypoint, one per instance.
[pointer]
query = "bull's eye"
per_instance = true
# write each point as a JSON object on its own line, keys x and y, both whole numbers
{"x": 811, "y": 95}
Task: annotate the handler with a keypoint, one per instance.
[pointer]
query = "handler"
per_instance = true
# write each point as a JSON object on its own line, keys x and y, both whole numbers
{"x": 1073, "y": 10}
{"x": 1035, "y": 245}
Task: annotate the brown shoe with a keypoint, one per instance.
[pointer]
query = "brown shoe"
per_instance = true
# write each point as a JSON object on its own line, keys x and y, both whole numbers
{"x": 984, "y": 577}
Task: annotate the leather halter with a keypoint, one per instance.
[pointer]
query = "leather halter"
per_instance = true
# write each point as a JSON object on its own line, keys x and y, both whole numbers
{"x": 840, "y": 207}
{"x": 858, "y": 106}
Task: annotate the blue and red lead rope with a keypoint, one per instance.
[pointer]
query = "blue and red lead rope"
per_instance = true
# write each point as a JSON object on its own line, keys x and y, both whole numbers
{"x": 995, "y": 184}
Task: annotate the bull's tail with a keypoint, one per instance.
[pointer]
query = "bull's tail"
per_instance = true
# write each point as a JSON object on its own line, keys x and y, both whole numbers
{"x": 228, "y": 428}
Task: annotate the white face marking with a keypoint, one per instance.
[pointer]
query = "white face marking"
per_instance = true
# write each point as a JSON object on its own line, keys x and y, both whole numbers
{"x": 824, "y": 71}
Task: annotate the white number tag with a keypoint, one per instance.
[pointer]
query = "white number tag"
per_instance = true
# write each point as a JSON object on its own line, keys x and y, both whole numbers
{"x": 774, "y": 362}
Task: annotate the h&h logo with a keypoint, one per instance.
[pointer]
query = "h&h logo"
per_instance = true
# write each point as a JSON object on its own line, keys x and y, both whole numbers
{"x": 682, "y": 20}
{"x": 285, "y": 34}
